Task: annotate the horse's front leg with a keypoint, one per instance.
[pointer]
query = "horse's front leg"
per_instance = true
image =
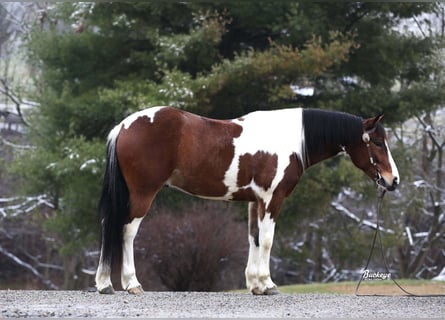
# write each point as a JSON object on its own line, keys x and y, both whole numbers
{"x": 267, "y": 229}
{"x": 261, "y": 233}
{"x": 128, "y": 273}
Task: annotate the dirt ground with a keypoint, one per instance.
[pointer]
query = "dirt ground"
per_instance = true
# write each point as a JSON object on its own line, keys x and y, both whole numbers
{"x": 75, "y": 304}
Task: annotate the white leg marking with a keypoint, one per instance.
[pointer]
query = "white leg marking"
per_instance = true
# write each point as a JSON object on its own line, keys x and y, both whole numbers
{"x": 267, "y": 229}
{"x": 258, "y": 278}
{"x": 103, "y": 276}
{"x": 252, "y": 270}
{"x": 128, "y": 274}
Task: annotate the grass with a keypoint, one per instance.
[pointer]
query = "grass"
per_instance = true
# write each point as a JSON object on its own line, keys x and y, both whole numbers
{"x": 386, "y": 287}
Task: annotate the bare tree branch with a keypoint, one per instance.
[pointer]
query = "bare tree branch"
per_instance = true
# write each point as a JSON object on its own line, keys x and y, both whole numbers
{"x": 18, "y": 205}
{"x": 48, "y": 283}
{"x": 343, "y": 210}
{"x": 429, "y": 129}
{"x": 6, "y": 90}
{"x": 16, "y": 146}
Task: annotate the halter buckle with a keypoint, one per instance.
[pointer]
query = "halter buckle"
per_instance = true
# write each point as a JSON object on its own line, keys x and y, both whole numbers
{"x": 366, "y": 138}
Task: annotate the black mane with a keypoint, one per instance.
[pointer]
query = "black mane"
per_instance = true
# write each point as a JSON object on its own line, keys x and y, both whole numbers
{"x": 324, "y": 129}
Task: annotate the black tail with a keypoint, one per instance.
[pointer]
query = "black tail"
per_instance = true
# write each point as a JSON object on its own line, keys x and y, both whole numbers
{"x": 113, "y": 207}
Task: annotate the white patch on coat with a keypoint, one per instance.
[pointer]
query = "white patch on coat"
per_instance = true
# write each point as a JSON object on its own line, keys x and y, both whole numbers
{"x": 128, "y": 273}
{"x": 128, "y": 121}
{"x": 277, "y": 132}
{"x": 394, "y": 170}
{"x": 150, "y": 113}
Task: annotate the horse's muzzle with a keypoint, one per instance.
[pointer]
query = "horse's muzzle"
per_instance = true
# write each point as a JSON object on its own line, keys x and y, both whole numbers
{"x": 388, "y": 186}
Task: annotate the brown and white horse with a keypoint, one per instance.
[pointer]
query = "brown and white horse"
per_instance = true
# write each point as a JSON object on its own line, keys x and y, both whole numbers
{"x": 257, "y": 158}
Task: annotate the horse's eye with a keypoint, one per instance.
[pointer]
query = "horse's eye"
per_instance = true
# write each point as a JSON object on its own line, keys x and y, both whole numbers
{"x": 378, "y": 143}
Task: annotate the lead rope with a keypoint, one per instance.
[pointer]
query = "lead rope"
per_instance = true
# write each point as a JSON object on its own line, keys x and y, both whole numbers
{"x": 381, "y": 192}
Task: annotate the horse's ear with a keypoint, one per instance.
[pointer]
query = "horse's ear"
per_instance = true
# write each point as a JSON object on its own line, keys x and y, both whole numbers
{"x": 371, "y": 123}
{"x": 378, "y": 118}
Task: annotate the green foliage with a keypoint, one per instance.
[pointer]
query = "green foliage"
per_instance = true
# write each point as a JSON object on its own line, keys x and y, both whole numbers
{"x": 79, "y": 169}
{"x": 70, "y": 177}
{"x": 252, "y": 80}
{"x": 197, "y": 51}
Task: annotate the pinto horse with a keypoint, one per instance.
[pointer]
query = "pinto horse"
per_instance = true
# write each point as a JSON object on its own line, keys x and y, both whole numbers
{"x": 257, "y": 158}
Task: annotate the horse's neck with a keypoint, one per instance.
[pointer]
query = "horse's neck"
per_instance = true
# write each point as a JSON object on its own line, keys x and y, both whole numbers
{"x": 326, "y": 132}
{"x": 328, "y": 152}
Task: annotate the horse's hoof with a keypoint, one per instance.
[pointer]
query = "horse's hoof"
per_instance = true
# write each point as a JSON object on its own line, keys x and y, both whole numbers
{"x": 136, "y": 290}
{"x": 107, "y": 290}
{"x": 268, "y": 292}
{"x": 271, "y": 291}
{"x": 257, "y": 291}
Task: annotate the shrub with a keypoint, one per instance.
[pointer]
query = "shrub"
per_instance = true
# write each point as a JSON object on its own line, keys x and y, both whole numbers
{"x": 202, "y": 248}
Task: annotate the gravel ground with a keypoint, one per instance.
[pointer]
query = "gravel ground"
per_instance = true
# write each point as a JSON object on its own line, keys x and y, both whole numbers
{"x": 75, "y": 304}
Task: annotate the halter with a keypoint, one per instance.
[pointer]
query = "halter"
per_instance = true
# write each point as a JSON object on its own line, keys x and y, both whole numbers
{"x": 366, "y": 139}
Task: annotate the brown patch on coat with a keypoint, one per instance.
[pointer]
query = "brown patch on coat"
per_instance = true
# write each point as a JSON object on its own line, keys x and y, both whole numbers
{"x": 292, "y": 175}
{"x": 260, "y": 167}
{"x": 204, "y": 154}
{"x": 284, "y": 188}
{"x": 256, "y": 209}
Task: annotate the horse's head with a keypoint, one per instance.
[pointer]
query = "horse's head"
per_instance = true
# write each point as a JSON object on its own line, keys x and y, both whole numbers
{"x": 373, "y": 156}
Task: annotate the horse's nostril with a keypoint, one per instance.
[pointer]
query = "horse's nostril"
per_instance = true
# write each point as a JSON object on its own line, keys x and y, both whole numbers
{"x": 396, "y": 180}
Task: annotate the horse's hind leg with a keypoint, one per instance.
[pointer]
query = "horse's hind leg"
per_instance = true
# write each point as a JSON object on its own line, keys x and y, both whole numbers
{"x": 103, "y": 277}
{"x": 128, "y": 274}
{"x": 139, "y": 207}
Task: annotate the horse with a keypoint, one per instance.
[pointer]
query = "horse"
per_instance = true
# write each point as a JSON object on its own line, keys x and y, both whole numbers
{"x": 258, "y": 158}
